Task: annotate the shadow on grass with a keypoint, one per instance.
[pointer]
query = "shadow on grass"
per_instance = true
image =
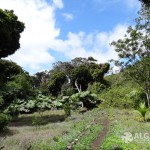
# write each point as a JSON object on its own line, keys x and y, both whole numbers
{"x": 7, "y": 132}
{"x": 118, "y": 148}
{"x": 28, "y": 120}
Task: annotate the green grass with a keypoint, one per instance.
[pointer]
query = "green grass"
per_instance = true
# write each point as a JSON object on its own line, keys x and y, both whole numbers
{"x": 21, "y": 132}
{"x": 125, "y": 121}
{"x": 81, "y": 133}
{"x": 56, "y": 133}
{"x": 88, "y": 138}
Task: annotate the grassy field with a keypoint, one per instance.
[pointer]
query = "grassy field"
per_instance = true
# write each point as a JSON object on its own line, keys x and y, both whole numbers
{"x": 21, "y": 132}
{"x": 51, "y": 131}
{"x": 126, "y": 132}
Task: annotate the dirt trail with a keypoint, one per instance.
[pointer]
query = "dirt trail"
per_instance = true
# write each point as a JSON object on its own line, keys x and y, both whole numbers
{"x": 96, "y": 143}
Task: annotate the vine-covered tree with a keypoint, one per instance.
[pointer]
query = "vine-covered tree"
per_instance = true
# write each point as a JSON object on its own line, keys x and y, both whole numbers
{"x": 134, "y": 50}
{"x": 10, "y": 30}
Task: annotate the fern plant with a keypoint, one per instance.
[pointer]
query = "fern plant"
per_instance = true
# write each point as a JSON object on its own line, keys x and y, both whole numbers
{"x": 142, "y": 111}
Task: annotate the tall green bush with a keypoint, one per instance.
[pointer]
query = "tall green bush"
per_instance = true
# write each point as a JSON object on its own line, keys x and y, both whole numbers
{"x": 97, "y": 87}
{"x": 122, "y": 97}
{"x": 4, "y": 120}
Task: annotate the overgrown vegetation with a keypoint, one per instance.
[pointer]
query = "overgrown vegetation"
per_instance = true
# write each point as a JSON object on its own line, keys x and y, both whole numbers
{"x": 4, "y": 120}
{"x": 54, "y": 109}
{"x": 124, "y": 123}
{"x": 53, "y": 132}
{"x": 122, "y": 93}
{"x": 134, "y": 50}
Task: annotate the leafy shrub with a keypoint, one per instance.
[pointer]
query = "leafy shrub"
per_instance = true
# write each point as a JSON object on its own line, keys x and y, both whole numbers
{"x": 58, "y": 103}
{"x": 67, "y": 109}
{"x": 36, "y": 121}
{"x": 142, "y": 111}
{"x": 98, "y": 87}
{"x": 20, "y": 106}
{"x": 66, "y": 106}
{"x": 1, "y": 101}
{"x": 4, "y": 120}
{"x": 19, "y": 87}
{"x": 137, "y": 96}
{"x": 13, "y": 110}
{"x": 40, "y": 103}
{"x": 67, "y": 90}
{"x": 89, "y": 100}
{"x": 122, "y": 96}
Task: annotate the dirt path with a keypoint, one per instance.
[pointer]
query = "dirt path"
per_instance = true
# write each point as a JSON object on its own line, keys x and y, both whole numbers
{"x": 96, "y": 143}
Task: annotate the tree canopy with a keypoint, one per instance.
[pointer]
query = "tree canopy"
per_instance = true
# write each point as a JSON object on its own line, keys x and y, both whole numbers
{"x": 74, "y": 76}
{"x": 147, "y": 2}
{"x": 8, "y": 70}
{"x": 134, "y": 51}
{"x": 10, "y": 30}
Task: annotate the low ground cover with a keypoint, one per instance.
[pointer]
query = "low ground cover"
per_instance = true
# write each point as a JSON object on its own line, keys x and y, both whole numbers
{"x": 126, "y": 132}
{"x": 53, "y": 132}
{"x": 79, "y": 131}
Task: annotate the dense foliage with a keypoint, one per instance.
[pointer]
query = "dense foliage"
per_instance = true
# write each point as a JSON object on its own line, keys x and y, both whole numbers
{"x": 89, "y": 100}
{"x": 4, "y": 120}
{"x": 72, "y": 84}
{"x": 18, "y": 85}
{"x": 71, "y": 77}
{"x": 10, "y": 30}
{"x": 122, "y": 93}
{"x": 146, "y": 2}
{"x": 134, "y": 51}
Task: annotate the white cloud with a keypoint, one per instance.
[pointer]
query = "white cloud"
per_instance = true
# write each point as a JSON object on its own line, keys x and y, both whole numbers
{"x": 41, "y": 35}
{"x": 133, "y": 4}
{"x": 40, "y": 31}
{"x": 58, "y": 3}
{"x": 67, "y": 16}
{"x": 93, "y": 44}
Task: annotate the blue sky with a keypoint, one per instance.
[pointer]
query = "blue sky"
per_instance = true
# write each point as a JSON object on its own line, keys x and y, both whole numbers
{"x": 65, "y": 29}
{"x": 96, "y": 15}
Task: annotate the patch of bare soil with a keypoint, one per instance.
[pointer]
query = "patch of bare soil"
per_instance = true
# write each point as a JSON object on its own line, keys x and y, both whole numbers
{"x": 96, "y": 143}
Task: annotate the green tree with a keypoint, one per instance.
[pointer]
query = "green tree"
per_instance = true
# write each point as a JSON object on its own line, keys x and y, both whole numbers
{"x": 99, "y": 71}
{"x": 10, "y": 30}
{"x": 147, "y": 2}
{"x": 40, "y": 81}
{"x": 81, "y": 77}
{"x": 15, "y": 83}
{"x": 68, "y": 76}
{"x": 65, "y": 67}
{"x": 55, "y": 83}
{"x": 134, "y": 51}
{"x": 78, "y": 61}
{"x": 8, "y": 70}
{"x": 19, "y": 87}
